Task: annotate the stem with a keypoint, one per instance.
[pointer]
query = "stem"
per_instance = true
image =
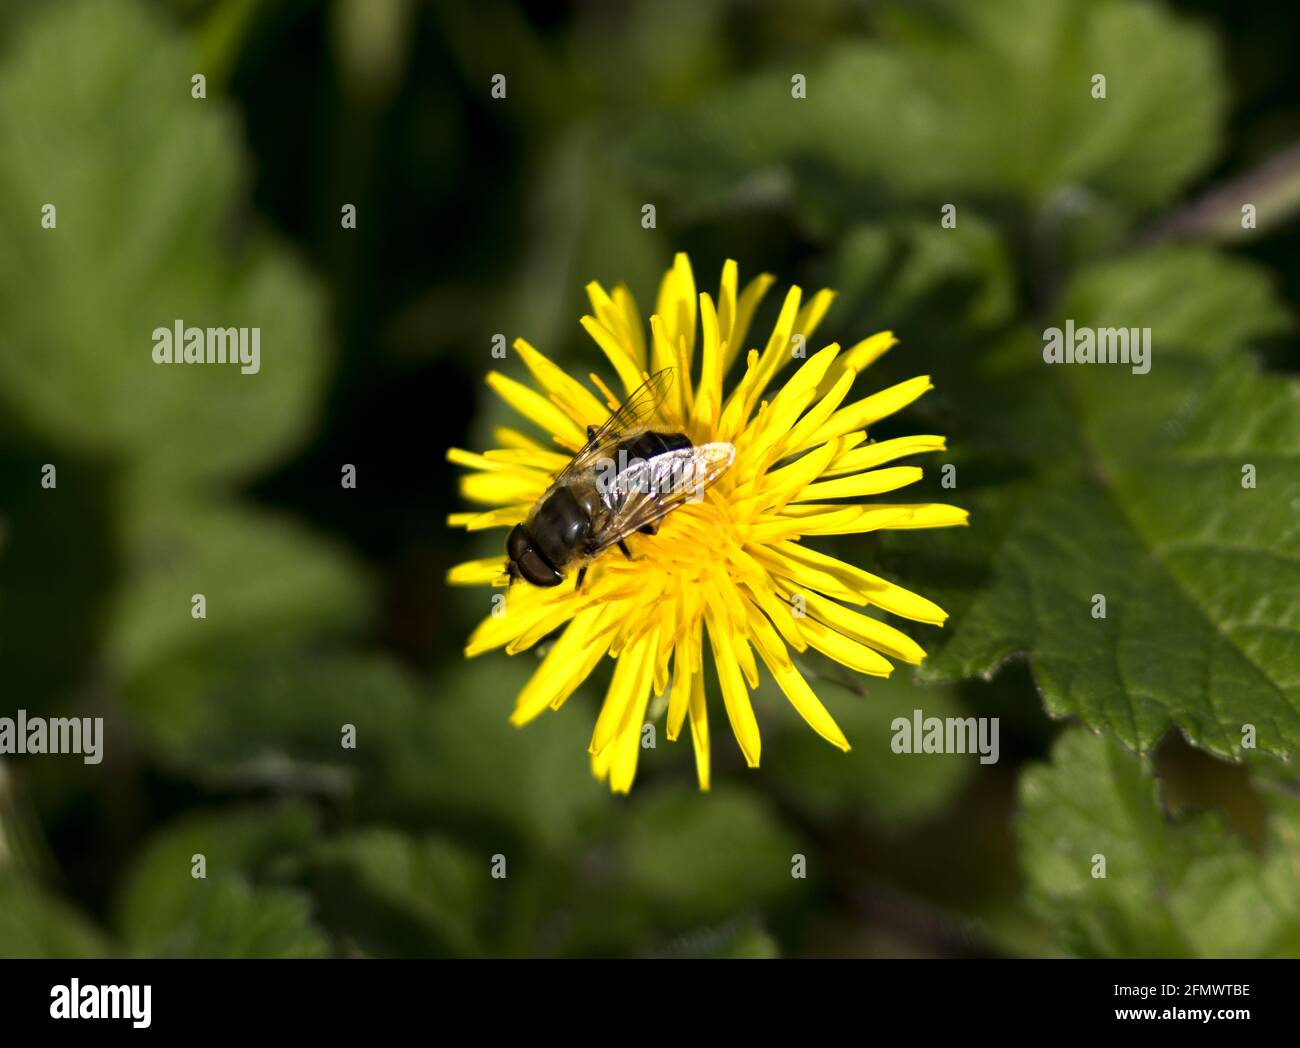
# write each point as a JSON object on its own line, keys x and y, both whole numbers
{"x": 1273, "y": 187}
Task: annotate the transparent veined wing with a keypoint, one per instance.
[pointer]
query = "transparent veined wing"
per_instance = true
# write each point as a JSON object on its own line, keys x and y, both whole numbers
{"x": 647, "y": 491}
{"x": 632, "y": 417}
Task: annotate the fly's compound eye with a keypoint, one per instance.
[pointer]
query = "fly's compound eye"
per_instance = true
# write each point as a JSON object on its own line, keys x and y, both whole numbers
{"x": 536, "y": 570}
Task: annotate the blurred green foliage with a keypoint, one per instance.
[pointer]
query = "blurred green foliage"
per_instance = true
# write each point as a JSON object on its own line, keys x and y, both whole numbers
{"x": 326, "y": 606}
{"x": 1187, "y": 890}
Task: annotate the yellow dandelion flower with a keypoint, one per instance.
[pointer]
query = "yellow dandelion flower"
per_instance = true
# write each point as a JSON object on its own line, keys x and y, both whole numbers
{"x": 729, "y": 574}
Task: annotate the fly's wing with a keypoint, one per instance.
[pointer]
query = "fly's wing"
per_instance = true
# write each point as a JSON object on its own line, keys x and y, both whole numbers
{"x": 632, "y": 417}
{"x": 648, "y": 491}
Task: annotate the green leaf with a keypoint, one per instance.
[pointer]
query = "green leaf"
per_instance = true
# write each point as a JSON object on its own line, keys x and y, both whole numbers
{"x": 275, "y": 723}
{"x": 278, "y": 724}
{"x": 268, "y": 586}
{"x": 535, "y": 780}
{"x": 1233, "y": 302}
{"x": 898, "y": 267}
{"x": 231, "y": 919}
{"x": 96, "y": 118}
{"x": 705, "y": 856}
{"x": 991, "y": 98}
{"x": 1171, "y": 889}
{"x": 870, "y": 780}
{"x": 396, "y": 894}
{"x": 163, "y": 910}
{"x": 34, "y": 924}
{"x": 1149, "y": 511}
{"x": 734, "y": 940}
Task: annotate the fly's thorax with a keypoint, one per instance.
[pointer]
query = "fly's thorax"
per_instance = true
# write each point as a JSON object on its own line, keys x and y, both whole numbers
{"x": 586, "y": 493}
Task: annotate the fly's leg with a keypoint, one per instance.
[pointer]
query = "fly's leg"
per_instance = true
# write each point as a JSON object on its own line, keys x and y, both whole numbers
{"x": 649, "y": 529}
{"x": 582, "y": 574}
{"x": 623, "y": 546}
{"x": 592, "y": 431}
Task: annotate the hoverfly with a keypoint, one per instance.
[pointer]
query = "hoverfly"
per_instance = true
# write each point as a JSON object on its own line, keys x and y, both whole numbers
{"x": 626, "y": 479}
